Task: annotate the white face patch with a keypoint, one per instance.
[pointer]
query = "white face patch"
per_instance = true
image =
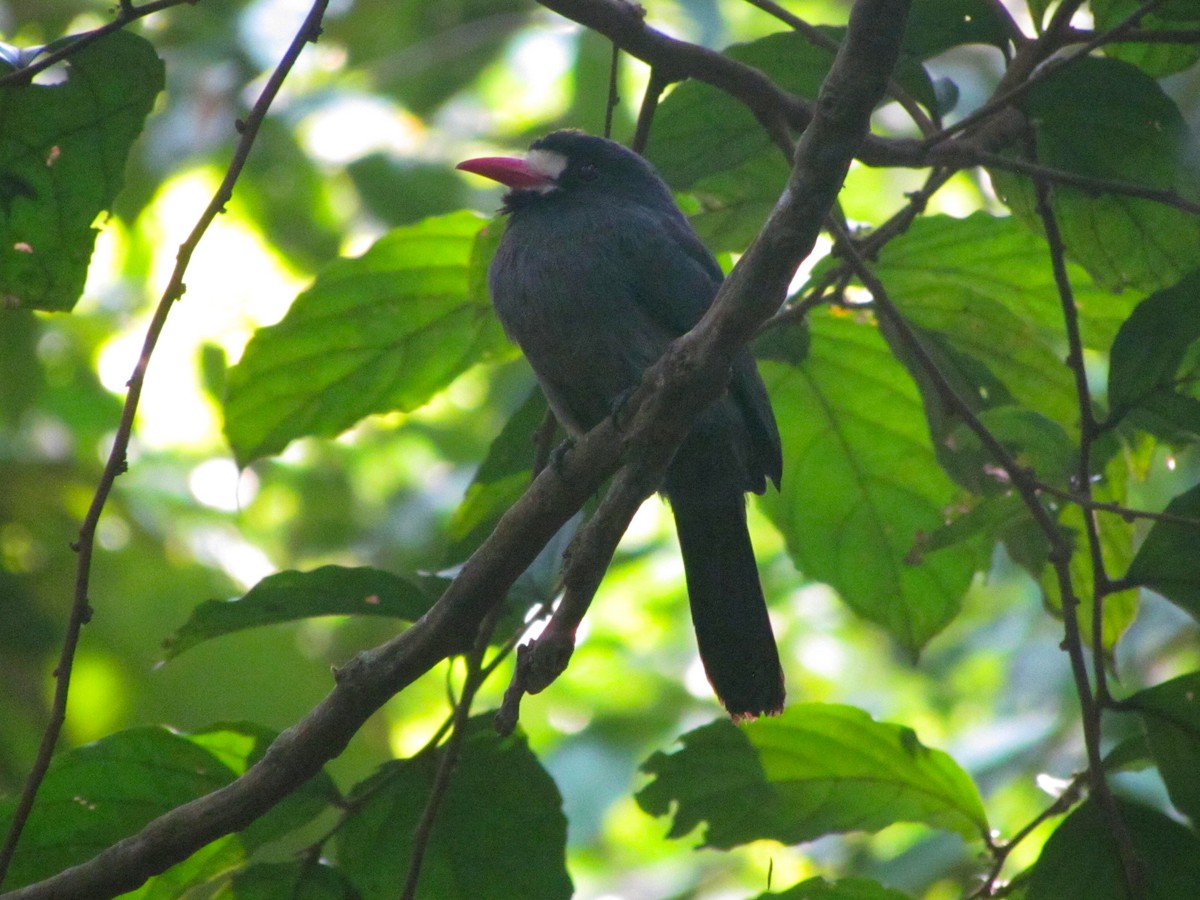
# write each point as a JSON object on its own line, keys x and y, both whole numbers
{"x": 548, "y": 163}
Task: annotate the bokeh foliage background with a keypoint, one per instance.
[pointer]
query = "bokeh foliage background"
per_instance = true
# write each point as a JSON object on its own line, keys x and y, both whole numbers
{"x": 363, "y": 140}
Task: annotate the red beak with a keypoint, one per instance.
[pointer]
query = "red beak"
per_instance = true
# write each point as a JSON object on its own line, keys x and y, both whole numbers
{"x": 508, "y": 170}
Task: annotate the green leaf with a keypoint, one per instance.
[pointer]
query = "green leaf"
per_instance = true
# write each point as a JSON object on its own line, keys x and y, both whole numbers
{"x": 239, "y": 745}
{"x": 1035, "y": 442}
{"x": 96, "y": 795}
{"x": 1147, "y": 354}
{"x": 935, "y": 26}
{"x": 1104, "y": 119}
{"x": 861, "y": 482}
{"x": 382, "y": 332}
{"x": 315, "y": 880}
{"x": 843, "y": 889}
{"x": 289, "y": 596}
{"x": 499, "y": 832}
{"x": 1167, "y": 561}
{"x": 62, "y": 161}
{"x": 817, "y": 769}
{"x": 500, "y": 480}
{"x": 986, "y": 285}
{"x": 1157, "y": 59}
{"x": 1171, "y": 716}
{"x": 1081, "y": 861}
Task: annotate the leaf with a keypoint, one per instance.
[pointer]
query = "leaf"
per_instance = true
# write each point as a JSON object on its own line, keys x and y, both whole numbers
{"x": 500, "y": 480}
{"x": 1081, "y": 861}
{"x": 1035, "y": 442}
{"x": 817, "y": 769}
{"x": 239, "y": 745}
{"x": 1147, "y": 353}
{"x": 1157, "y": 59}
{"x": 95, "y": 795}
{"x": 314, "y": 880}
{"x": 63, "y": 149}
{"x": 1170, "y": 713}
{"x": 1116, "y": 549}
{"x": 1104, "y": 119}
{"x": 1167, "y": 562}
{"x": 986, "y": 285}
{"x": 935, "y": 26}
{"x": 842, "y": 889}
{"x": 499, "y": 833}
{"x": 382, "y": 332}
{"x": 289, "y": 596}
{"x": 861, "y": 482}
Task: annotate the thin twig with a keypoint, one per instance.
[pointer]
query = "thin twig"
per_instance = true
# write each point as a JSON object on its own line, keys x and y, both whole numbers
{"x": 1001, "y": 852}
{"x": 818, "y": 38}
{"x": 476, "y": 675}
{"x": 1125, "y": 512}
{"x": 614, "y": 98}
{"x": 1083, "y": 182}
{"x": 126, "y": 13}
{"x": 654, "y": 88}
{"x": 1091, "y": 710}
{"x": 116, "y": 462}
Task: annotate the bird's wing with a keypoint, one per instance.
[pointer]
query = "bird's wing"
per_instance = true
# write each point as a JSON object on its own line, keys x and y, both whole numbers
{"x": 674, "y": 289}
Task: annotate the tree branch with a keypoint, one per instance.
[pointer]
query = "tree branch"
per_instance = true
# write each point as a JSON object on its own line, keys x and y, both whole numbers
{"x": 691, "y": 374}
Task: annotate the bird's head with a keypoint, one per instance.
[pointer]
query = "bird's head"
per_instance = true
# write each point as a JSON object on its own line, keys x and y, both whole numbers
{"x": 571, "y": 164}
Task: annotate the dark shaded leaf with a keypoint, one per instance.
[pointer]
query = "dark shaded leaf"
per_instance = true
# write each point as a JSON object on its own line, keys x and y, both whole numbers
{"x": 1147, "y": 353}
{"x": 500, "y": 480}
{"x": 1167, "y": 561}
{"x": 500, "y": 832}
{"x": 817, "y": 769}
{"x": 1171, "y": 716}
{"x": 1081, "y": 861}
{"x": 289, "y": 596}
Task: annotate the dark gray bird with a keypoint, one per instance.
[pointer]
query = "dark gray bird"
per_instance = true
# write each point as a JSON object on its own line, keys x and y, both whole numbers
{"x": 597, "y": 272}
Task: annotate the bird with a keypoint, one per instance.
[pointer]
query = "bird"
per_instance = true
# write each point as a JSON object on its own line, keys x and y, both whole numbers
{"x": 597, "y": 272}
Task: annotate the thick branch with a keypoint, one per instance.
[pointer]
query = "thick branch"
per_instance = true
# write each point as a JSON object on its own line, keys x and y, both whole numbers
{"x": 660, "y": 412}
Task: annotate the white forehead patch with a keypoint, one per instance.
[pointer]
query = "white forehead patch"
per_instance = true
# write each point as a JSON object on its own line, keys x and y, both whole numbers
{"x": 548, "y": 163}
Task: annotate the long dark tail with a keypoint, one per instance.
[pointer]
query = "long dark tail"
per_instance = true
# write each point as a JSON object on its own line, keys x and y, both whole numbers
{"x": 729, "y": 613}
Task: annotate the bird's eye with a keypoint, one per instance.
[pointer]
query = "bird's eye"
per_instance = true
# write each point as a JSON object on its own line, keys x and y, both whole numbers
{"x": 587, "y": 171}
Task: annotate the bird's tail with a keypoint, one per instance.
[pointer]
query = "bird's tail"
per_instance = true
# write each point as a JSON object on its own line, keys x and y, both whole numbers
{"x": 729, "y": 613}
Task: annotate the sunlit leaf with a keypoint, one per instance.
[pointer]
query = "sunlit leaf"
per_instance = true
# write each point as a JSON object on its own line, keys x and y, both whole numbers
{"x": 815, "y": 770}
{"x": 382, "y": 332}
{"x": 289, "y": 596}
{"x": 499, "y": 833}
{"x": 62, "y": 161}
{"x": 861, "y": 482}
